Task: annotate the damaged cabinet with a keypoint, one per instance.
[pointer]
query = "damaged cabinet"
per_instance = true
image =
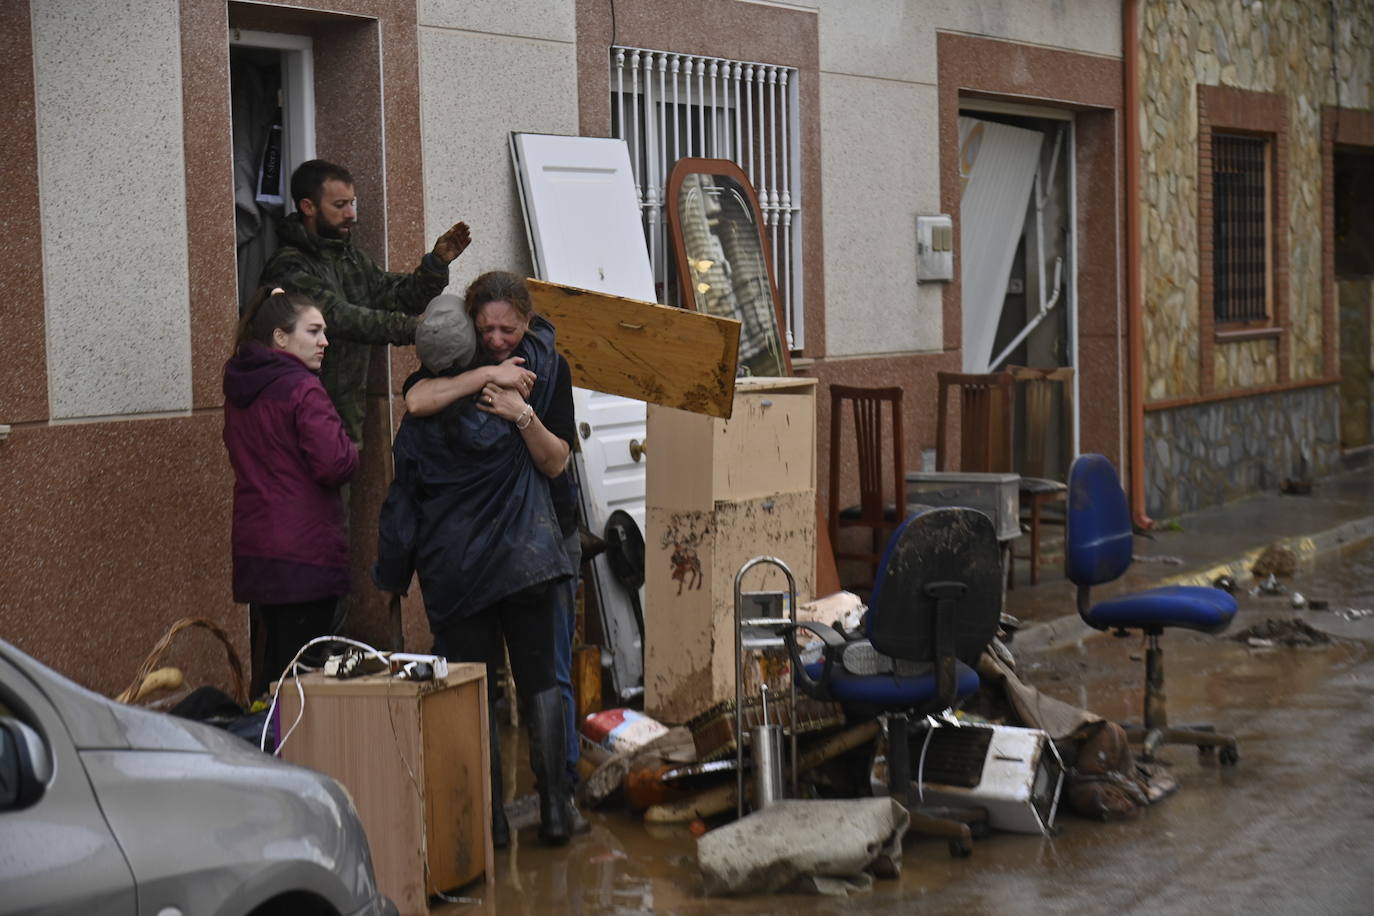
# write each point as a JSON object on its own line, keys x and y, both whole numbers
{"x": 721, "y": 492}
{"x": 414, "y": 757}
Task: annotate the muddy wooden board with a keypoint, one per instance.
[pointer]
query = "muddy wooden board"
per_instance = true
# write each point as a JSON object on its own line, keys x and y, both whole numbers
{"x": 653, "y": 353}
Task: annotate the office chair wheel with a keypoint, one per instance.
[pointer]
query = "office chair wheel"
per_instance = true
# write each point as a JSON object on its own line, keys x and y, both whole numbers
{"x": 1229, "y": 756}
{"x": 960, "y": 849}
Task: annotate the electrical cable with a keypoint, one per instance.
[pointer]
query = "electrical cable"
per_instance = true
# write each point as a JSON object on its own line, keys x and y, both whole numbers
{"x": 293, "y": 671}
{"x": 921, "y": 762}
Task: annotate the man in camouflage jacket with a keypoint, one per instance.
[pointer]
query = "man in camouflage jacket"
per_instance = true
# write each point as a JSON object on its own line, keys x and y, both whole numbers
{"x": 362, "y": 304}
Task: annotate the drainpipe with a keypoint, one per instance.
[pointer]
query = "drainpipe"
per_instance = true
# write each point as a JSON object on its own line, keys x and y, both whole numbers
{"x": 1135, "y": 343}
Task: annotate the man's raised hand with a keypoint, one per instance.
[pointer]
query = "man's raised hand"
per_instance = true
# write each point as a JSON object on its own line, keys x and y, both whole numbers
{"x": 453, "y": 242}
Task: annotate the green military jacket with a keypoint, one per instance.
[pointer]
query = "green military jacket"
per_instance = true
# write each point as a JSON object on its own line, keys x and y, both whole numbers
{"x": 362, "y": 305}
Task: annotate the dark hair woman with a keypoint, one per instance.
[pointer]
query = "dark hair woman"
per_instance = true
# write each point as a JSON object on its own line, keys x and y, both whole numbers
{"x": 290, "y": 456}
{"x": 473, "y": 512}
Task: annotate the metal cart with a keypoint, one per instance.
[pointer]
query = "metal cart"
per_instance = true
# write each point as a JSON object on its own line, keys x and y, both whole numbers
{"x": 763, "y": 632}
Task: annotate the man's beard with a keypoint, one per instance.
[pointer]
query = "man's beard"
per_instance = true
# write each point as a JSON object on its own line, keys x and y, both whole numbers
{"x": 327, "y": 230}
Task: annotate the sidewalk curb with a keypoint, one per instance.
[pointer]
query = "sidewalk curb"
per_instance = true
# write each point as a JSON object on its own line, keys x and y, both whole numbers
{"x": 1053, "y": 634}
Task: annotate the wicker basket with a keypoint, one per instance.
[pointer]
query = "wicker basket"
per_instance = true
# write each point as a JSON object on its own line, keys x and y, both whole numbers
{"x": 154, "y": 659}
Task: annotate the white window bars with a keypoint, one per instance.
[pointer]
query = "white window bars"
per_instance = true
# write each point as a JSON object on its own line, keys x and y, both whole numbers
{"x": 668, "y": 107}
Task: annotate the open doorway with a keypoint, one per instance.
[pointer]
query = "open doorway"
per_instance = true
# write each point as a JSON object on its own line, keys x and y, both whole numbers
{"x": 1354, "y": 248}
{"x": 272, "y": 109}
{"x": 1017, "y": 246}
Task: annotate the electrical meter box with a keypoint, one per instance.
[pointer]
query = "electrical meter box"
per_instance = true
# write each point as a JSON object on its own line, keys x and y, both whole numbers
{"x": 934, "y": 248}
{"x": 996, "y": 495}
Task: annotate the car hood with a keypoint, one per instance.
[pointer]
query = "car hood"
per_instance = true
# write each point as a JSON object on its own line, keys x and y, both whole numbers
{"x": 97, "y": 722}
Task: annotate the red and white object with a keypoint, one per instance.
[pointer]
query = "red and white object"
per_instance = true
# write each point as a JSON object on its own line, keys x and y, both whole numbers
{"x": 617, "y": 731}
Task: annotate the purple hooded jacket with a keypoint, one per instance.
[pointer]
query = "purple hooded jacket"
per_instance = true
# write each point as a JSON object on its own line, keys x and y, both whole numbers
{"x": 290, "y": 456}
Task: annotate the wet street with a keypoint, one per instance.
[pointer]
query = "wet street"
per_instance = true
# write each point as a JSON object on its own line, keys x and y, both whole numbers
{"x": 1287, "y": 830}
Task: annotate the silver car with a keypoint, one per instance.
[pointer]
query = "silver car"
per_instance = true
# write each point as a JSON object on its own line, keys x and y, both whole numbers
{"x": 106, "y": 808}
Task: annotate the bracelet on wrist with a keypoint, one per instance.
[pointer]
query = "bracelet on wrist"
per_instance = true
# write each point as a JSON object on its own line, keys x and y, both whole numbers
{"x": 525, "y": 419}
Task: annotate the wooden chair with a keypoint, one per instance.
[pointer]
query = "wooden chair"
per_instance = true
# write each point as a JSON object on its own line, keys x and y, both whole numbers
{"x": 1042, "y": 473}
{"x": 873, "y": 511}
{"x": 985, "y": 443}
{"x": 985, "y": 427}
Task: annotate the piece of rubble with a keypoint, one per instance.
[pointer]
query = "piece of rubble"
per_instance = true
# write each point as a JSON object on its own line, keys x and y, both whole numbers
{"x": 1276, "y": 560}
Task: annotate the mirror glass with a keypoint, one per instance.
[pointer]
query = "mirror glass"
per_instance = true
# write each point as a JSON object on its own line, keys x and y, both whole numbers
{"x": 722, "y": 264}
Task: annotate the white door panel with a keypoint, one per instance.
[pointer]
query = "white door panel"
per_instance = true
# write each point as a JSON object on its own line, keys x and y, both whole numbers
{"x": 582, "y": 213}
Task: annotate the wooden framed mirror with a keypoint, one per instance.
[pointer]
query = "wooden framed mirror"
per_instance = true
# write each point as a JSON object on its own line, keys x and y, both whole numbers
{"x": 723, "y": 267}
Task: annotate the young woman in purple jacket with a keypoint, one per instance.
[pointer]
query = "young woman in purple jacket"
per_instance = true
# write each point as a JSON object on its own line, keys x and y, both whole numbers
{"x": 290, "y": 456}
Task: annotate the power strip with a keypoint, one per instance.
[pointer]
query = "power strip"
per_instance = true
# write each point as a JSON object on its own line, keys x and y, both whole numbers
{"x": 399, "y": 664}
{"x": 399, "y": 660}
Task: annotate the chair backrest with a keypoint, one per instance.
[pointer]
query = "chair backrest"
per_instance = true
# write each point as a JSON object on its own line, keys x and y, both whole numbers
{"x": 984, "y": 421}
{"x": 1049, "y": 405}
{"x": 947, "y": 544}
{"x": 1098, "y": 540}
{"x": 868, "y": 437}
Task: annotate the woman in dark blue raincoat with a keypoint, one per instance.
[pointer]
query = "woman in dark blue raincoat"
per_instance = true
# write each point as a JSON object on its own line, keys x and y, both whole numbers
{"x": 471, "y": 511}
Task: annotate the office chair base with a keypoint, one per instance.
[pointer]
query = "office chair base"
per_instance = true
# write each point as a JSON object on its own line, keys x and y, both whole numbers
{"x": 1204, "y": 737}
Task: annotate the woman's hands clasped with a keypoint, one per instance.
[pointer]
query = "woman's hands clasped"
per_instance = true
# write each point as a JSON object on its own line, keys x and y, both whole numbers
{"x": 506, "y": 403}
{"x": 512, "y": 374}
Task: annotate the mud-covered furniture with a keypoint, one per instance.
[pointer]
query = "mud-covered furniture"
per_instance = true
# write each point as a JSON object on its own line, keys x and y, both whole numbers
{"x": 721, "y": 492}
{"x": 934, "y": 609}
{"x": 414, "y": 757}
{"x": 863, "y": 438}
{"x": 1098, "y": 549}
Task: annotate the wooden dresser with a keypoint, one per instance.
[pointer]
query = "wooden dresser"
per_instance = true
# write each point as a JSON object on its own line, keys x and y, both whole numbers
{"x": 721, "y": 492}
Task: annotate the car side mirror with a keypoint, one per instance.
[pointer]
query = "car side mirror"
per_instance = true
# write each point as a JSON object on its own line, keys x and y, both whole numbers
{"x": 25, "y": 765}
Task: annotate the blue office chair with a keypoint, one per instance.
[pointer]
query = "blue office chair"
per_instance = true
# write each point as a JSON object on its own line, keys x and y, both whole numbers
{"x": 1098, "y": 549}
{"x": 935, "y": 606}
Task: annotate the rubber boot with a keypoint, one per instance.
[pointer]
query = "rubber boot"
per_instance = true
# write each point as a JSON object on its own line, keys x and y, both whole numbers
{"x": 500, "y": 827}
{"x": 580, "y": 824}
{"x": 548, "y": 744}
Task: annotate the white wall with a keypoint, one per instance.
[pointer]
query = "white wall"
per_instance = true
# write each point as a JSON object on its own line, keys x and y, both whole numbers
{"x": 488, "y": 68}
{"x": 113, "y": 206}
{"x": 879, "y": 148}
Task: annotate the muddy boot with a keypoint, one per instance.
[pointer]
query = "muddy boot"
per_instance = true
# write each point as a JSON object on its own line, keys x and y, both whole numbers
{"x": 500, "y": 827}
{"x": 579, "y": 823}
{"x": 547, "y": 747}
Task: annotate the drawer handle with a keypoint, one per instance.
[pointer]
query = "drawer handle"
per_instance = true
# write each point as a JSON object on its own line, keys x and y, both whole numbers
{"x": 638, "y": 449}
{"x": 631, "y": 327}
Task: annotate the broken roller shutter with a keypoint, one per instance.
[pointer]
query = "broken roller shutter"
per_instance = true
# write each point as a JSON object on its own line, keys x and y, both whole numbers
{"x": 997, "y": 165}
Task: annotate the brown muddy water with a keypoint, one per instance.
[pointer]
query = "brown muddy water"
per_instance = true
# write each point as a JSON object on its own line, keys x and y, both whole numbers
{"x": 1288, "y": 830}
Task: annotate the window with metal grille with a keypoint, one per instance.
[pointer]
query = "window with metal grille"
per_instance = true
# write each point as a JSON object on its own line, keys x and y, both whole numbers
{"x": 673, "y": 106}
{"x": 1240, "y": 228}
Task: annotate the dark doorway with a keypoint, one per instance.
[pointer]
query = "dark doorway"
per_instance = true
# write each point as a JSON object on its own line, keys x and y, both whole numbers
{"x": 1354, "y": 249}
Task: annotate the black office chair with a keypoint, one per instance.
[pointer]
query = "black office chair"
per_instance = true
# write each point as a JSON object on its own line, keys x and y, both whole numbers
{"x": 1098, "y": 549}
{"x": 935, "y": 606}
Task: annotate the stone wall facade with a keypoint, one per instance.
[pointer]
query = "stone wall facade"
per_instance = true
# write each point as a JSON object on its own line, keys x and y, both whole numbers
{"x": 1267, "y": 68}
{"x": 1213, "y": 452}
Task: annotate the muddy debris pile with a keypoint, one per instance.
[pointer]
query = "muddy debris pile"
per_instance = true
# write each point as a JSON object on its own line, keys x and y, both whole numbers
{"x": 1289, "y": 632}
